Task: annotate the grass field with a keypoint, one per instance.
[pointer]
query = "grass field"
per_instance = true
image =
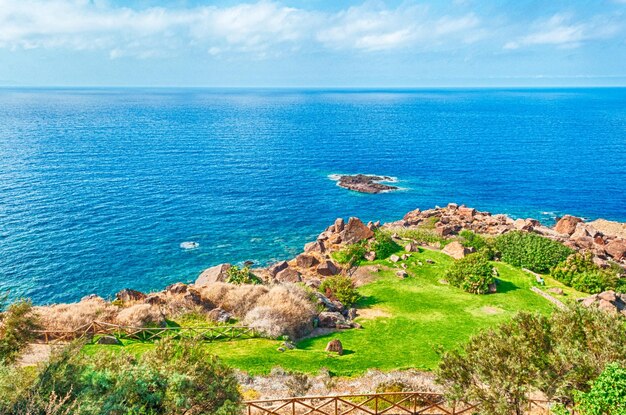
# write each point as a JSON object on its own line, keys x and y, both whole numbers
{"x": 409, "y": 319}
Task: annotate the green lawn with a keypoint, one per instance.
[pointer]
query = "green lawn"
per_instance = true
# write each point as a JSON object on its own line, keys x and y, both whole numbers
{"x": 415, "y": 316}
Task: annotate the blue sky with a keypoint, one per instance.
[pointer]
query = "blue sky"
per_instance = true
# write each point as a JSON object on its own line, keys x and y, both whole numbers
{"x": 314, "y": 43}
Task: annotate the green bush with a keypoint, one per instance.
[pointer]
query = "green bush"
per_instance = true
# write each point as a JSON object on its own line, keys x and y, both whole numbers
{"x": 470, "y": 239}
{"x": 581, "y": 273}
{"x": 236, "y": 275}
{"x": 384, "y": 245}
{"x": 340, "y": 288}
{"x": 607, "y": 394}
{"x": 529, "y": 250}
{"x": 473, "y": 274}
{"x": 351, "y": 254}
{"x": 421, "y": 236}
{"x": 16, "y": 329}
{"x": 176, "y": 377}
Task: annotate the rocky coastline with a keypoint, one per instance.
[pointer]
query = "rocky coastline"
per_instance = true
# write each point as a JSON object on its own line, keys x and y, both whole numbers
{"x": 211, "y": 295}
{"x": 366, "y": 184}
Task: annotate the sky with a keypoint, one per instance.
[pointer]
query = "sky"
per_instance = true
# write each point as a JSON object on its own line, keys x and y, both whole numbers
{"x": 313, "y": 43}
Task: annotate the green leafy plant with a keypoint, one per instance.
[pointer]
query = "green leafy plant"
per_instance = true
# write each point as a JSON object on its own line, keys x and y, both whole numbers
{"x": 420, "y": 235}
{"x": 340, "y": 288}
{"x": 473, "y": 274}
{"x": 529, "y": 250}
{"x": 384, "y": 245}
{"x": 470, "y": 239}
{"x": 351, "y": 254}
{"x": 236, "y": 275}
{"x": 607, "y": 395}
{"x": 580, "y": 272}
{"x": 16, "y": 329}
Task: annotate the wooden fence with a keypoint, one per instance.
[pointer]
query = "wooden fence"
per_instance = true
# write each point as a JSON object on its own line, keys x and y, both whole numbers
{"x": 88, "y": 331}
{"x": 392, "y": 403}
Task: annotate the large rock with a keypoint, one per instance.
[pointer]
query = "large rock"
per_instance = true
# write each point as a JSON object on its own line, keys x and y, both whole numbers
{"x": 315, "y": 246}
{"x": 127, "y": 295}
{"x": 306, "y": 261}
{"x": 327, "y": 303}
{"x": 455, "y": 250}
{"x": 109, "y": 340}
{"x": 331, "y": 319}
{"x": 339, "y": 225}
{"x": 219, "y": 315}
{"x": 218, "y": 273}
{"x": 616, "y": 248}
{"x": 277, "y": 267}
{"x": 355, "y": 231}
{"x": 327, "y": 268}
{"x": 466, "y": 213}
{"x": 335, "y": 346}
{"x": 288, "y": 275}
{"x": 567, "y": 224}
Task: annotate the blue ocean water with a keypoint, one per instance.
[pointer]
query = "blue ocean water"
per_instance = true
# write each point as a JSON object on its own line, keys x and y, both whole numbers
{"x": 98, "y": 187}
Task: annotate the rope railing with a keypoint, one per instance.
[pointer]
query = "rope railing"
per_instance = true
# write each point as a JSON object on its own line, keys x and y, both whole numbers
{"x": 206, "y": 333}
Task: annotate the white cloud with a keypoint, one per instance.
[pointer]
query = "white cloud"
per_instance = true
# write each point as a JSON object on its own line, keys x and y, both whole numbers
{"x": 559, "y": 30}
{"x": 372, "y": 29}
{"x": 262, "y": 28}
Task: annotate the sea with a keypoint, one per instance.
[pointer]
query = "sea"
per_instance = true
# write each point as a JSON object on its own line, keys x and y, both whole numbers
{"x": 99, "y": 187}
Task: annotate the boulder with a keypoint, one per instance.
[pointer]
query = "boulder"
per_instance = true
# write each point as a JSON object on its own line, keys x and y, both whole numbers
{"x": 327, "y": 268}
{"x": 128, "y": 295}
{"x": 288, "y": 275}
{"x": 616, "y": 248}
{"x": 108, "y": 340}
{"x": 402, "y": 274}
{"x": 455, "y": 250}
{"x": 355, "y": 231}
{"x": 413, "y": 217}
{"x": 327, "y": 303}
{"x": 608, "y": 296}
{"x": 218, "y": 273}
{"x": 315, "y": 246}
{"x": 306, "y": 261}
{"x": 466, "y": 213}
{"x": 335, "y": 346}
{"x": 370, "y": 256}
{"x": 155, "y": 299}
{"x": 394, "y": 258}
{"x": 493, "y": 288}
{"x": 339, "y": 225}
{"x": 351, "y": 314}
{"x": 219, "y": 315}
{"x": 567, "y": 224}
{"x": 178, "y": 288}
{"x": 412, "y": 247}
{"x": 556, "y": 290}
{"x": 331, "y": 319}
{"x": 277, "y": 267}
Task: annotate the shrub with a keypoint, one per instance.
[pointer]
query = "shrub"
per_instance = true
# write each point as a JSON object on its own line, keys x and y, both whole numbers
{"x": 529, "y": 250}
{"x": 351, "y": 254}
{"x": 607, "y": 394}
{"x": 340, "y": 288}
{"x": 470, "y": 239}
{"x": 236, "y": 299}
{"x": 473, "y": 274}
{"x": 75, "y": 315}
{"x": 384, "y": 245}
{"x": 580, "y": 272}
{"x": 16, "y": 329}
{"x": 298, "y": 384}
{"x": 175, "y": 377}
{"x": 419, "y": 235}
{"x": 284, "y": 310}
{"x": 236, "y": 275}
{"x": 141, "y": 315}
{"x": 556, "y": 355}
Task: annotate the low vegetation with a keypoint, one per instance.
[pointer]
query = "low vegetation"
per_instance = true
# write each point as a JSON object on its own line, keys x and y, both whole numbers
{"x": 172, "y": 378}
{"x": 531, "y": 251}
{"x": 473, "y": 274}
{"x": 581, "y": 273}
{"x": 558, "y": 355}
{"x": 236, "y": 275}
{"x": 350, "y": 255}
{"x": 384, "y": 246}
{"x": 340, "y": 288}
{"x": 16, "y": 326}
{"x": 422, "y": 235}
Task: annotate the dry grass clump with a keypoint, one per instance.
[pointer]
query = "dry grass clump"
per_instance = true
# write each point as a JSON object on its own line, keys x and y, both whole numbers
{"x": 236, "y": 299}
{"x": 141, "y": 315}
{"x": 75, "y": 315}
{"x": 283, "y": 310}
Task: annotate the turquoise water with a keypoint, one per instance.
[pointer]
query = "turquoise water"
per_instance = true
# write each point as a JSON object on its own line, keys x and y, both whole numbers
{"x": 98, "y": 187}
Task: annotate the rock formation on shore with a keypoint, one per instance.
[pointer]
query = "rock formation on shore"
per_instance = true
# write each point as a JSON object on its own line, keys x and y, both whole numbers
{"x": 366, "y": 184}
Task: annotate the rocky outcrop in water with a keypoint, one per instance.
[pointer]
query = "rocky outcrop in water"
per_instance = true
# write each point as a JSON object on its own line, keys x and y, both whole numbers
{"x": 366, "y": 184}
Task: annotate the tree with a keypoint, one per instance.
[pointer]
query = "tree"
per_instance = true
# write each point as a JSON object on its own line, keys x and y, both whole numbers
{"x": 17, "y": 324}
